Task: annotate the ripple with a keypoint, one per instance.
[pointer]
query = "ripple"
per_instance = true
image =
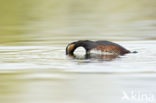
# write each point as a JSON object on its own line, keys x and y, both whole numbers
{"x": 41, "y": 57}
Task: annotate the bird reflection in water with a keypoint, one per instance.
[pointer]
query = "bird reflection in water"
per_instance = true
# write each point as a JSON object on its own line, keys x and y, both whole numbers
{"x": 95, "y": 57}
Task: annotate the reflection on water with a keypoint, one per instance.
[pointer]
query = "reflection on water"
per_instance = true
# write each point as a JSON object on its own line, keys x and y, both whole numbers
{"x": 94, "y": 56}
{"x": 35, "y": 69}
{"x": 40, "y": 86}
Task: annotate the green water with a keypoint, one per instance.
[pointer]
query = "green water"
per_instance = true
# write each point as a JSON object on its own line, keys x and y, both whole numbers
{"x": 35, "y": 69}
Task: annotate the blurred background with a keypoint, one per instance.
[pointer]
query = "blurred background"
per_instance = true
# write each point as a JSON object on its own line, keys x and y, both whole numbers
{"x": 33, "y": 38}
{"x": 36, "y": 22}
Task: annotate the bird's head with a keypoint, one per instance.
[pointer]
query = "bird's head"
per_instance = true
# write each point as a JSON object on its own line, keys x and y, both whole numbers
{"x": 70, "y": 48}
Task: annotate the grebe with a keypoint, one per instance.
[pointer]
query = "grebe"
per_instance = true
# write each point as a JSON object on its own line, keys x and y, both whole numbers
{"x": 103, "y": 46}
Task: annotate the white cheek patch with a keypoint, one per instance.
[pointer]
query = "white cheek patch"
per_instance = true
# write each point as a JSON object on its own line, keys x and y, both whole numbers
{"x": 94, "y": 51}
{"x": 80, "y": 51}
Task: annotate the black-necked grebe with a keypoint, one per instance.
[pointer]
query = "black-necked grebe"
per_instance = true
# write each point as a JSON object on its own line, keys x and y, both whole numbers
{"x": 103, "y": 46}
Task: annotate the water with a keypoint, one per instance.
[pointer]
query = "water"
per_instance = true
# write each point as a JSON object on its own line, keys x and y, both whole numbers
{"x": 35, "y": 69}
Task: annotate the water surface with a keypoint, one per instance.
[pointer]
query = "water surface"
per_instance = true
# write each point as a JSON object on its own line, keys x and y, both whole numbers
{"x": 35, "y": 69}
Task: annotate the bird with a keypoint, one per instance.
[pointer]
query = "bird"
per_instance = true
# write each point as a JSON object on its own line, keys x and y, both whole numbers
{"x": 105, "y": 47}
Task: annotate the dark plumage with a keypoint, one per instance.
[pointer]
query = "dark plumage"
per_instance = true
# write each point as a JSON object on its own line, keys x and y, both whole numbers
{"x": 103, "y": 46}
